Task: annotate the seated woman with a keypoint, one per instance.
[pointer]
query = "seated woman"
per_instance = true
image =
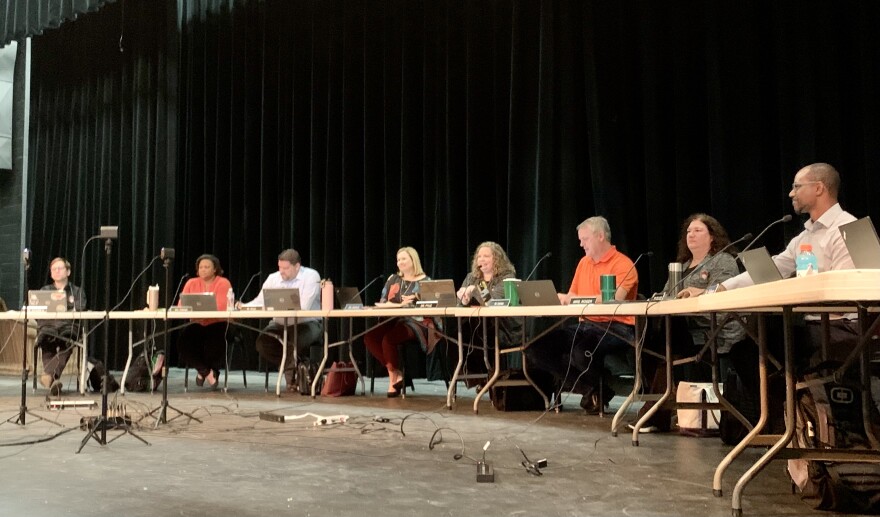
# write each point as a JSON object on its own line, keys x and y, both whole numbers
{"x": 54, "y": 336}
{"x": 383, "y": 341}
{"x": 203, "y": 342}
{"x": 489, "y": 267}
{"x": 702, "y": 237}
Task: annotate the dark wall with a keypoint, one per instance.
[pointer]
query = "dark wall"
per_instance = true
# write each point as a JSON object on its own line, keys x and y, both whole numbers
{"x": 347, "y": 129}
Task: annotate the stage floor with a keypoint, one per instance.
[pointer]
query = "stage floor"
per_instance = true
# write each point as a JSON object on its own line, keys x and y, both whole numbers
{"x": 234, "y": 463}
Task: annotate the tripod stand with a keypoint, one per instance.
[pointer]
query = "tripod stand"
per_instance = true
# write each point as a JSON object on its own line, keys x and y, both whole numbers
{"x": 22, "y": 409}
{"x": 98, "y": 427}
{"x": 168, "y": 257}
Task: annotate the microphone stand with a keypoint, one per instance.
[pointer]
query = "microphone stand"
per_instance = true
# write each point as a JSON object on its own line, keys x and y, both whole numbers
{"x": 97, "y": 428}
{"x": 164, "y": 406}
{"x": 22, "y": 409}
{"x": 538, "y": 263}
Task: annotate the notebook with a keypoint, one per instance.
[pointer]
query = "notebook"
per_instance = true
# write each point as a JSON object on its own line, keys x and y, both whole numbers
{"x": 440, "y": 291}
{"x": 862, "y": 243}
{"x": 760, "y": 266}
{"x": 199, "y": 301}
{"x": 283, "y": 299}
{"x": 348, "y": 296}
{"x": 537, "y": 292}
{"x": 49, "y": 301}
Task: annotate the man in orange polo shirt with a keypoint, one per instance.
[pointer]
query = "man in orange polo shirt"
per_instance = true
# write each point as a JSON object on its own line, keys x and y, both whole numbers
{"x": 574, "y": 355}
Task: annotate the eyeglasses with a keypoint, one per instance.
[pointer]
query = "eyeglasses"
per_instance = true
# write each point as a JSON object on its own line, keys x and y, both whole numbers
{"x": 796, "y": 186}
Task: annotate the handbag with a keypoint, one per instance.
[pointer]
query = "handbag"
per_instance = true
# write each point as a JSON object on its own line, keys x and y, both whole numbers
{"x": 697, "y": 422}
{"x": 341, "y": 380}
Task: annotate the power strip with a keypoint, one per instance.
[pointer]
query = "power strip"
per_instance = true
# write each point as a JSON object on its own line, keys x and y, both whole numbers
{"x": 319, "y": 419}
{"x": 57, "y": 405}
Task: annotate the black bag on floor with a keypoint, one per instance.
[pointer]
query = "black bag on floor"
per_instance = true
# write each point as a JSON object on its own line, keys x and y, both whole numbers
{"x": 305, "y": 373}
{"x": 830, "y": 415}
{"x": 517, "y": 398}
{"x": 731, "y": 430}
{"x": 96, "y": 371}
{"x": 138, "y": 378}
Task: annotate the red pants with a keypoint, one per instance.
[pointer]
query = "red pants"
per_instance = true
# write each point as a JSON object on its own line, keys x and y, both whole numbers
{"x": 383, "y": 342}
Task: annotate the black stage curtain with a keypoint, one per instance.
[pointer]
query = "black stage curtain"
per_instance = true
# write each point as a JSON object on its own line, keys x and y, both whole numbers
{"x": 347, "y": 129}
{"x": 21, "y": 18}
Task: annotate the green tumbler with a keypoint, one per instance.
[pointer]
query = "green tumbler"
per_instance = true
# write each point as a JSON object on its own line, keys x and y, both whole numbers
{"x": 510, "y": 291}
{"x": 608, "y": 286}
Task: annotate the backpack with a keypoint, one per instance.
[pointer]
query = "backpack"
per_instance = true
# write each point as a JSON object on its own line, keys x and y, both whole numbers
{"x": 138, "y": 378}
{"x": 96, "y": 372}
{"x": 305, "y": 373}
{"x": 830, "y": 415}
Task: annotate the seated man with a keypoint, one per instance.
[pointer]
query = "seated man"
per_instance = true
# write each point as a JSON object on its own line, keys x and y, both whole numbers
{"x": 291, "y": 273}
{"x": 574, "y": 354}
{"x": 54, "y": 337}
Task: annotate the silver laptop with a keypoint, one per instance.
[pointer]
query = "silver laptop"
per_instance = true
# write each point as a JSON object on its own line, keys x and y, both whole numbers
{"x": 49, "y": 301}
{"x": 760, "y": 266}
{"x": 536, "y": 293}
{"x": 199, "y": 301}
{"x": 440, "y": 291}
{"x": 862, "y": 243}
{"x": 282, "y": 299}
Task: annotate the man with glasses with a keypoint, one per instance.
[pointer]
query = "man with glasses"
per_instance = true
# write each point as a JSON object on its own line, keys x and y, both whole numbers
{"x": 814, "y": 192}
{"x": 56, "y": 337}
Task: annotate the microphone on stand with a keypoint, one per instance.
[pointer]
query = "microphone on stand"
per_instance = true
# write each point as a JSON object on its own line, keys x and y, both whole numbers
{"x": 176, "y": 291}
{"x": 355, "y": 295}
{"x": 255, "y": 275}
{"x": 636, "y": 261}
{"x": 538, "y": 263}
{"x": 786, "y": 218}
{"x": 707, "y": 262}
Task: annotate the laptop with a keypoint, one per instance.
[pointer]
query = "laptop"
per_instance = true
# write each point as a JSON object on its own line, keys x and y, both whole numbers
{"x": 536, "y": 293}
{"x": 199, "y": 301}
{"x": 862, "y": 243}
{"x": 348, "y": 296}
{"x": 760, "y": 266}
{"x": 283, "y": 299}
{"x": 49, "y": 301}
{"x": 440, "y": 291}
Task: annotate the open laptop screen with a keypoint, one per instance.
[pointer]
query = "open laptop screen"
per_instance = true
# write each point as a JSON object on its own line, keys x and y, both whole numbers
{"x": 760, "y": 266}
{"x": 862, "y": 243}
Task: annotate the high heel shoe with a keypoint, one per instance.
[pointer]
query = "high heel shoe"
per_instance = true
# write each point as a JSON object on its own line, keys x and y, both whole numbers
{"x": 393, "y": 394}
{"x": 398, "y": 386}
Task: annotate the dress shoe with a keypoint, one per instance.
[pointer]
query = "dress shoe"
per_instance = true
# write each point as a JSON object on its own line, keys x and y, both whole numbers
{"x": 200, "y": 380}
{"x": 590, "y": 403}
{"x": 211, "y": 379}
{"x": 55, "y": 388}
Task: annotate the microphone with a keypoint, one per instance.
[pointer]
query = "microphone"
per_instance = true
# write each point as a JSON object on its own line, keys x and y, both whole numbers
{"x": 675, "y": 288}
{"x": 538, "y": 263}
{"x": 636, "y": 261}
{"x": 255, "y": 275}
{"x": 176, "y": 291}
{"x": 355, "y": 295}
{"x": 784, "y": 219}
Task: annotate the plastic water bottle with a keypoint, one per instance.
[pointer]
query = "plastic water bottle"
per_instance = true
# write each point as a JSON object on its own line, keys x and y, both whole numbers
{"x": 806, "y": 263}
{"x": 230, "y": 300}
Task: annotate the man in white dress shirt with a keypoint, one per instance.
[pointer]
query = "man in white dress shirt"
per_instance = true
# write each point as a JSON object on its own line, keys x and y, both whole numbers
{"x": 291, "y": 273}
